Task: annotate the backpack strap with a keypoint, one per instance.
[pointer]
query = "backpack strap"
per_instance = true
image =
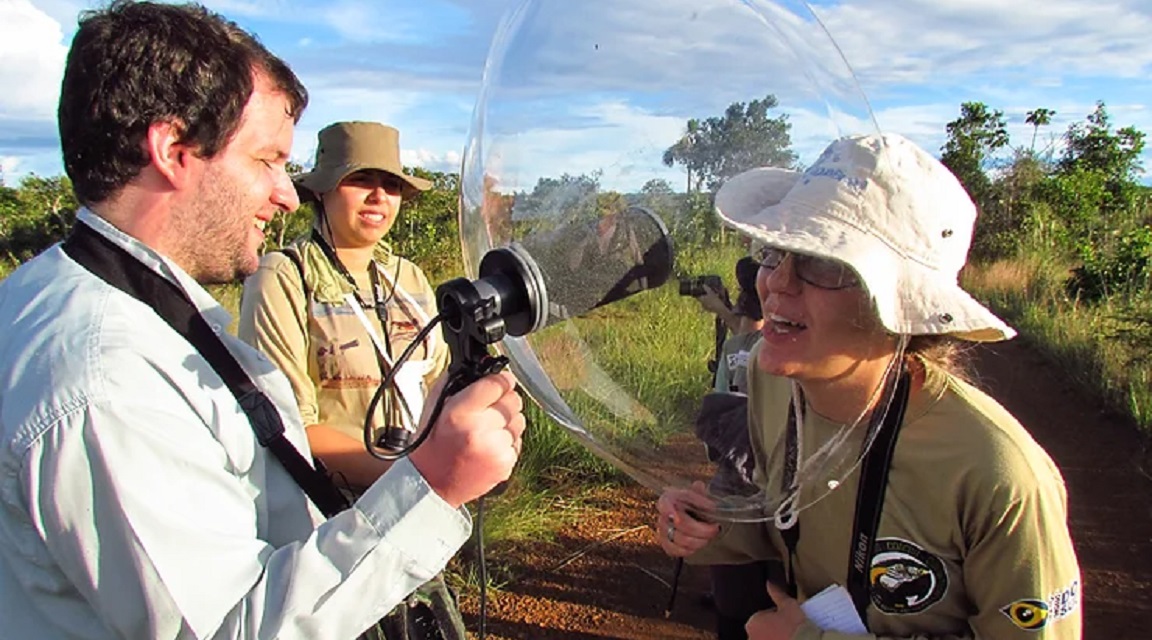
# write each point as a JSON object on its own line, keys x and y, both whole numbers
{"x": 293, "y": 254}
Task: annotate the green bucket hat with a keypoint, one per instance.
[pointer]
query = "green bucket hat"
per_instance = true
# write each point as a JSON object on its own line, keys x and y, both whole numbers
{"x": 347, "y": 147}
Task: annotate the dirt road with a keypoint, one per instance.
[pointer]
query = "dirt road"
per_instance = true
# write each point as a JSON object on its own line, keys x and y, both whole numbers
{"x": 604, "y": 577}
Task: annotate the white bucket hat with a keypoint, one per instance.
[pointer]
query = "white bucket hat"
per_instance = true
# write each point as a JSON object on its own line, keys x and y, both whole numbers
{"x": 884, "y": 207}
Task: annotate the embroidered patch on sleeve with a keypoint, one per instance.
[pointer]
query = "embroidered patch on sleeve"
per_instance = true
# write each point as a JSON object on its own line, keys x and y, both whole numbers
{"x": 1030, "y": 614}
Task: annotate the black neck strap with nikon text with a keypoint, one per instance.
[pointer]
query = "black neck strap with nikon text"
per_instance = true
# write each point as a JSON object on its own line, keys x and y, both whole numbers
{"x": 869, "y": 495}
{"x": 119, "y": 268}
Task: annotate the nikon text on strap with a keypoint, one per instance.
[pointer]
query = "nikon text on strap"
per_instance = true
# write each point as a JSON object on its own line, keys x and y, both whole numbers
{"x": 120, "y": 269}
{"x": 869, "y": 495}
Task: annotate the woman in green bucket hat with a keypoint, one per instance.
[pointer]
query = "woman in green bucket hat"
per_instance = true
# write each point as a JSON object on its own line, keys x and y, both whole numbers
{"x": 334, "y": 310}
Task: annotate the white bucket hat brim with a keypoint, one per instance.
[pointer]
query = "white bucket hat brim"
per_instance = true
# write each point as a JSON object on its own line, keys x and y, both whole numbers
{"x": 910, "y": 270}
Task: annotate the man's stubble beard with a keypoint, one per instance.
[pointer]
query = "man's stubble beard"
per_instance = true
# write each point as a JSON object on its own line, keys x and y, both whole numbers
{"x": 212, "y": 234}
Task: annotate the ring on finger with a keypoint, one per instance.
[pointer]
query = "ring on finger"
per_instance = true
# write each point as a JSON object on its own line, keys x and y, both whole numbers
{"x": 670, "y": 532}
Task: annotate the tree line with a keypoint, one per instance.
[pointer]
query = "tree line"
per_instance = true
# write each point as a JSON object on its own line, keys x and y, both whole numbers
{"x": 1077, "y": 194}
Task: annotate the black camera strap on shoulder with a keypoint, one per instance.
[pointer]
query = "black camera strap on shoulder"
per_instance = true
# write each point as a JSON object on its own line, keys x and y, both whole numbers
{"x": 120, "y": 269}
{"x": 869, "y": 495}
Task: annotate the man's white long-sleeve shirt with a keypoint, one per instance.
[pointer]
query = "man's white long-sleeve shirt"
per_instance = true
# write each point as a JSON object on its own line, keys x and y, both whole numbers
{"x": 135, "y": 501}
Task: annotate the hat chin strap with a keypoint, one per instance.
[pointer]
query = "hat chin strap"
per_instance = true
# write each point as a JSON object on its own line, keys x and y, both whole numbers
{"x": 807, "y": 469}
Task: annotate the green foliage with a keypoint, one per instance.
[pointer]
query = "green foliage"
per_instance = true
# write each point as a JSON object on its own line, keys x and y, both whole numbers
{"x": 720, "y": 147}
{"x": 1080, "y": 226}
{"x": 1094, "y": 192}
{"x": 35, "y": 215}
{"x": 1106, "y": 347}
{"x": 696, "y": 222}
{"x": 427, "y": 230}
{"x": 1038, "y": 118}
{"x": 1078, "y": 196}
{"x": 659, "y": 198}
{"x": 972, "y": 139}
{"x": 1092, "y": 145}
{"x": 1086, "y": 205}
{"x": 1123, "y": 269}
{"x": 557, "y": 200}
{"x": 1011, "y": 207}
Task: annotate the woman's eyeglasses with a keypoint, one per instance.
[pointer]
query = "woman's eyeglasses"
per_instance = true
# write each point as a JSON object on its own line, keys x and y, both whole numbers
{"x": 818, "y": 272}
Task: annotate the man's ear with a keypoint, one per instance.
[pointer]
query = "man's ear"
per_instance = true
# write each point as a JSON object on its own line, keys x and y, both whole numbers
{"x": 168, "y": 154}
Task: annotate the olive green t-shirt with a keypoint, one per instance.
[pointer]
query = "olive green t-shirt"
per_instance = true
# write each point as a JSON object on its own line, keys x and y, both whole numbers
{"x": 973, "y": 538}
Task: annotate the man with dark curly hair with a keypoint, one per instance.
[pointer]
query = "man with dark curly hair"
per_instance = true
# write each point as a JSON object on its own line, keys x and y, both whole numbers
{"x": 155, "y": 479}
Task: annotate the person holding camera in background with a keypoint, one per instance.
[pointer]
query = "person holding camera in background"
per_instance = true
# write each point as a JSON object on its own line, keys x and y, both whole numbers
{"x": 948, "y": 520}
{"x": 155, "y": 476}
{"x": 722, "y": 423}
{"x": 709, "y": 291}
{"x": 732, "y": 372}
{"x": 335, "y": 308}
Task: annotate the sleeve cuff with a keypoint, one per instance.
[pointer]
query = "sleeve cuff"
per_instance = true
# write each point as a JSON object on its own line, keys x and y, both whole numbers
{"x": 737, "y": 543}
{"x": 408, "y": 514}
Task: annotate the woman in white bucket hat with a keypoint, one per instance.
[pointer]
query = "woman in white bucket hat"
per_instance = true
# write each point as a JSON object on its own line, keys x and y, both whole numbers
{"x": 953, "y": 524}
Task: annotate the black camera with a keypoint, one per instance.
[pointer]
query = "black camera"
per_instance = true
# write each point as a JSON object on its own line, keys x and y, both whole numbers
{"x": 694, "y": 286}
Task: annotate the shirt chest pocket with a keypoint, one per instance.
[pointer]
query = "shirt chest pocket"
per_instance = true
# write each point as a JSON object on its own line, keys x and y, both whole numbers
{"x": 339, "y": 348}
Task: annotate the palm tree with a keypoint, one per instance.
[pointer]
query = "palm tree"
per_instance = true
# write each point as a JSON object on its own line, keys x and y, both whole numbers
{"x": 686, "y": 151}
{"x": 1038, "y": 118}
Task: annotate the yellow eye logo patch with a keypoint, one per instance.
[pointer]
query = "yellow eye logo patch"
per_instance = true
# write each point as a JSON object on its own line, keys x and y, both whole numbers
{"x": 1027, "y": 614}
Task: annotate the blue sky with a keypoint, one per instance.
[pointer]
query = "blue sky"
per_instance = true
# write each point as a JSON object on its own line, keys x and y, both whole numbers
{"x": 606, "y": 86}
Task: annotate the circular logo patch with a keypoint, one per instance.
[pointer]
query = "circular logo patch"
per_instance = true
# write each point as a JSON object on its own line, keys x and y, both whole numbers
{"x": 905, "y": 578}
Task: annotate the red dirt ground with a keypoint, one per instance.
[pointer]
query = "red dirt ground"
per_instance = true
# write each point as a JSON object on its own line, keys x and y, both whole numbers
{"x": 605, "y": 577}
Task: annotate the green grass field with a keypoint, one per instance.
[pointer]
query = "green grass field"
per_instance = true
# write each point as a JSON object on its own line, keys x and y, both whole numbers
{"x": 1105, "y": 346}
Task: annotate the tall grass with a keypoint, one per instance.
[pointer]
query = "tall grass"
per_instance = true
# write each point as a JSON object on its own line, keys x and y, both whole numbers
{"x": 655, "y": 345}
{"x": 1088, "y": 341}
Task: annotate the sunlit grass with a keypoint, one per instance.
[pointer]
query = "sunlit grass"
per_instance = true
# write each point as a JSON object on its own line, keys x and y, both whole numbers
{"x": 1080, "y": 338}
{"x": 654, "y": 345}
{"x": 228, "y": 295}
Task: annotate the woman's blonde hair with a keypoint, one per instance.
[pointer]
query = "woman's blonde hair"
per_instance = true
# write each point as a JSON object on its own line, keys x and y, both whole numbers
{"x": 942, "y": 351}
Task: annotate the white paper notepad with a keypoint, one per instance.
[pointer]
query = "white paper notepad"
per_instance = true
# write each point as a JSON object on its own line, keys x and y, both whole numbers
{"x": 832, "y": 610}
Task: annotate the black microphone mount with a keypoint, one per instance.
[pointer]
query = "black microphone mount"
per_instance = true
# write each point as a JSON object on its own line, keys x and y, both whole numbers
{"x": 508, "y": 298}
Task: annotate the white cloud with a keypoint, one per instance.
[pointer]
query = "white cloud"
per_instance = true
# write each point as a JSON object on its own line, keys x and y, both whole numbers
{"x": 8, "y": 165}
{"x": 62, "y": 11}
{"x": 31, "y": 61}
{"x": 933, "y": 41}
{"x": 613, "y": 86}
{"x": 443, "y": 161}
{"x": 17, "y": 166}
{"x": 622, "y": 143}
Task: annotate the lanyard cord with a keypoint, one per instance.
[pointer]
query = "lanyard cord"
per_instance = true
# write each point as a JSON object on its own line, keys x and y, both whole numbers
{"x": 384, "y": 360}
{"x": 883, "y": 429}
{"x": 379, "y": 301}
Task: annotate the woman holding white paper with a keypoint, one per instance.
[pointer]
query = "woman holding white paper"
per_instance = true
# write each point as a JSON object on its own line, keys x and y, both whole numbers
{"x": 954, "y": 525}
